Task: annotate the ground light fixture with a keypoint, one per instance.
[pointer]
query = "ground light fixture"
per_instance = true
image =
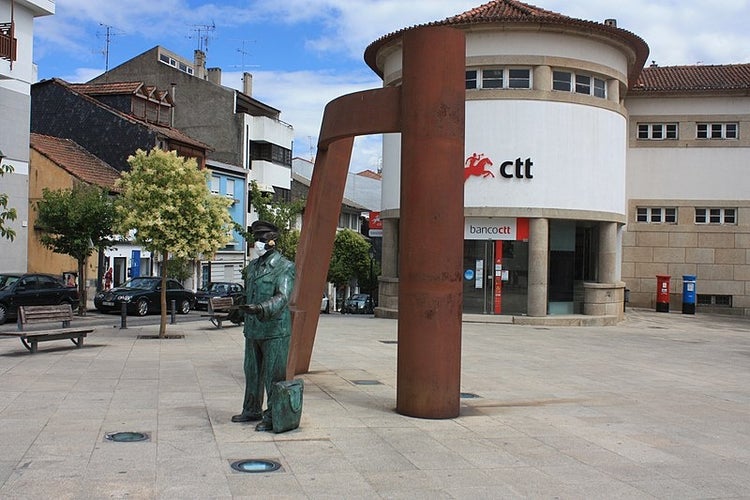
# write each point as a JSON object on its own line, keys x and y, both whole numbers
{"x": 126, "y": 437}
{"x": 256, "y": 465}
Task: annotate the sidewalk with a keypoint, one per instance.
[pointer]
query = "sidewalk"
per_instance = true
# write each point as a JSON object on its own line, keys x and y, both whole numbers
{"x": 656, "y": 407}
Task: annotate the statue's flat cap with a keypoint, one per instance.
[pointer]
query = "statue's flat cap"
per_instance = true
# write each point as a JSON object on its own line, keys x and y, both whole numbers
{"x": 260, "y": 227}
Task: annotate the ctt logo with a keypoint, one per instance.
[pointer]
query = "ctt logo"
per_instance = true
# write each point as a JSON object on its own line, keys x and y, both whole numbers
{"x": 478, "y": 165}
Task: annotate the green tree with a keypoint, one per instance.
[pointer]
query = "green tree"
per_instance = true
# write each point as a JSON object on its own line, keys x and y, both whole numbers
{"x": 166, "y": 201}
{"x": 6, "y": 214}
{"x": 75, "y": 222}
{"x": 279, "y": 213}
{"x": 350, "y": 259}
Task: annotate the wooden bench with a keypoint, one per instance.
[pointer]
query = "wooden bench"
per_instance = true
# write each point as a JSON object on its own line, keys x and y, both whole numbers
{"x": 220, "y": 310}
{"x": 47, "y": 314}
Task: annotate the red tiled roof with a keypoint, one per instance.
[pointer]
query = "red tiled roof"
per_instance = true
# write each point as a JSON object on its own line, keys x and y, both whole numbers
{"x": 71, "y": 157}
{"x": 370, "y": 174}
{"x": 170, "y": 132}
{"x": 513, "y": 12}
{"x": 106, "y": 88}
{"x": 693, "y": 78}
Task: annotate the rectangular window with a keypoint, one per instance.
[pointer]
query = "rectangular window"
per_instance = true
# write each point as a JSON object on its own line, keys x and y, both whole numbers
{"x": 492, "y": 79}
{"x": 583, "y": 84}
{"x": 471, "y": 79}
{"x": 716, "y": 216}
{"x": 717, "y": 131}
{"x": 561, "y": 80}
{"x": 519, "y": 78}
{"x": 230, "y": 188}
{"x": 657, "y": 131}
{"x": 656, "y": 215}
{"x": 215, "y": 182}
{"x": 600, "y": 88}
{"x": 498, "y": 78}
{"x": 714, "y": 300}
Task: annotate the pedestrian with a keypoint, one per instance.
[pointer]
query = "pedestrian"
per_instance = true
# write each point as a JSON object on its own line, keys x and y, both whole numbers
{"x": 108, "y": 279}
{"x": 269, "y": 280}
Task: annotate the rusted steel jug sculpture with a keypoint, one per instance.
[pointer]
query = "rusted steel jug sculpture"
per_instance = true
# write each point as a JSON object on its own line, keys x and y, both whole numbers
{"x": 428, "y": 110}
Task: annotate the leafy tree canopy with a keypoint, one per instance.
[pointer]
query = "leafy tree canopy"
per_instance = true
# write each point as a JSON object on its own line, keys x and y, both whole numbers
{"x": 75, "y": 222}
{"x": 167, "y": 201}
{"x": 350, "y": 259}
{"x": 6, "y": 214}
{"x": 280, "y": 213}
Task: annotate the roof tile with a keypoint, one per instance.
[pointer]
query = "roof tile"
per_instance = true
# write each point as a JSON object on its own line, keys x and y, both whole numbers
{"x": 693, "y": 78}
{"x": 77, "y": 161}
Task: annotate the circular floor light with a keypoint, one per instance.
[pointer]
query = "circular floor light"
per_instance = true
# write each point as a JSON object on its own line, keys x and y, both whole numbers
{"x": 256, "y": 465}
{"x": 126, "y": 437}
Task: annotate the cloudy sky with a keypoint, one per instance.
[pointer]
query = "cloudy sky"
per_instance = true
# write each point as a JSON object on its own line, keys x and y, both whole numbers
{"x": 304, "y": 53}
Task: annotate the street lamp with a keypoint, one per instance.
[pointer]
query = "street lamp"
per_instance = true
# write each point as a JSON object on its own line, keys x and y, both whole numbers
{"x": 372, "y": 278}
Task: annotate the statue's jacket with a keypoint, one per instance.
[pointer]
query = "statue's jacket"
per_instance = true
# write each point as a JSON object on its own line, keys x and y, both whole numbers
{"x": 269, "y": 282}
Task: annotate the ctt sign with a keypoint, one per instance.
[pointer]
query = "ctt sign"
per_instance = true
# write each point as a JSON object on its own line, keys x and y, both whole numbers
{"x": 478, "y": 165}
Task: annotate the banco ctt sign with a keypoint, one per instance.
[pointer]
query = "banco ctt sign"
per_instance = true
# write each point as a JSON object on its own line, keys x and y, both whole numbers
{"x": 495, "y": 228}
{"x": 479, "y": 165}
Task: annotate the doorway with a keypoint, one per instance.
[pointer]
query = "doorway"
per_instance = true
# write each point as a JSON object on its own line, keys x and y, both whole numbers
{"x": 495, "y": 279}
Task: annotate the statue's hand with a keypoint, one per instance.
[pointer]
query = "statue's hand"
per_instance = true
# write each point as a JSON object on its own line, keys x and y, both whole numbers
{"x": 251, "y": 308}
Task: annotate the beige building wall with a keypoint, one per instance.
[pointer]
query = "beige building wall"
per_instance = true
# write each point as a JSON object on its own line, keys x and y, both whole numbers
{"x": 44, "y": 173}
{"x": 684, "y": 174}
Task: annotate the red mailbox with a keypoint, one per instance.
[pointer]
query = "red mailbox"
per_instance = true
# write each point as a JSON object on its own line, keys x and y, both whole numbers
{"x": 662, "y": 293}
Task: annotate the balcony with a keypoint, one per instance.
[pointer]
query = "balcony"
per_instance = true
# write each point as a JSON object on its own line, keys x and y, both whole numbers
{"x": 8, "y": 43}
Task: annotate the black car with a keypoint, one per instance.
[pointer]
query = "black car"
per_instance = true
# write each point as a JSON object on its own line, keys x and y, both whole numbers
{"x": 359, "y": 303}
{"x": 143, "y": 295}
{"x": 30, "y": 289}
{"x": 218, "y": 289}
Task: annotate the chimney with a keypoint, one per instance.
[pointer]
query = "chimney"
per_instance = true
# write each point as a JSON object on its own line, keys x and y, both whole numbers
{"x": 247, "y": 83}
{"x": 200, "y": 64}
{"x": 611, "y": 22}
{"x": 214, "y": 75}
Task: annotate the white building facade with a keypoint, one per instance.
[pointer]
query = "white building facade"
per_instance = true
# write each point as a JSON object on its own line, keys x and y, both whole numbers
{"x": 545, "y": 170}
{"x": 17, "y": 73}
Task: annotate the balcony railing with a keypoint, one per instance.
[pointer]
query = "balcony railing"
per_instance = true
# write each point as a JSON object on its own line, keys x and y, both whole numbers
{"x": 8, "y": 43}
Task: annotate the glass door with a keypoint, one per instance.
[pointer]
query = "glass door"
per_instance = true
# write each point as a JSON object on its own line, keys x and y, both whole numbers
{"x": 478, "y": 281}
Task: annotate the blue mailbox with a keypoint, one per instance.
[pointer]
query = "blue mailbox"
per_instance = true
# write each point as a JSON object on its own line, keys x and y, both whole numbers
{"x": 688, "y": 294}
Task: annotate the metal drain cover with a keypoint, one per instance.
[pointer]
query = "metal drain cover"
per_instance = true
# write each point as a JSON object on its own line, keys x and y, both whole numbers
{"x": 126, "y": 437}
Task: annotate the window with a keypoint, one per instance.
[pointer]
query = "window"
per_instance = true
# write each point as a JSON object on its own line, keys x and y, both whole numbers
{"x": 492, "y": 79}
{"x": 716, "y": 216}
{"x": 230, "y": 188}
{"x": 215, "y": 182}
{"x": 471, "y": 79}
{"x": 718, "y": 131}
{"x": 714, "y": 300}
{"x": 498, "y": 78}
{"x": 583, "y": 84}
{"x": 270, "y": 152}
{"x": 567, "y": 81}
{"x": 657, "y": 131}
{"x": 656, "y": 215}
{"x": 519, "y": 78}
{"x": 561, "y": 80}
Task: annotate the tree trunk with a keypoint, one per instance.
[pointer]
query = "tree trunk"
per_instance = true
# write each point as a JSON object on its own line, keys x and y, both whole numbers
{"x": 163, "y": 323}
{"x": 82, "y": 304}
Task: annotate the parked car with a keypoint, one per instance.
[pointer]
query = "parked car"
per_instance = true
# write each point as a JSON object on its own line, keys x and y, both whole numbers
{"x": 360, "y": 303}
{"x": 218, "y": 289}
{"x": 143, "y": 295}
{"x": 32, "y": 289}
{"x": 325, "y": 305}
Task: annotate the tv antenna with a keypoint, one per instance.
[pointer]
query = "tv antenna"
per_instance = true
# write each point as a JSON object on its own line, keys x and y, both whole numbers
{"x": 203, "y": 32}
{"x": 109, "y": 32}
{"x": 243, "y": 52}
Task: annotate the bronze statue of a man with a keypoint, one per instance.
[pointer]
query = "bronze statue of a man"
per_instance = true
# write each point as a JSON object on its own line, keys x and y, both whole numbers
{"x": 269, "y": 280}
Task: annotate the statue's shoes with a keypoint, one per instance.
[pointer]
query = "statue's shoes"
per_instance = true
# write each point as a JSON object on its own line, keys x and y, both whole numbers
{"x": 242, "y": 417}
{"x": 264, "y": 426}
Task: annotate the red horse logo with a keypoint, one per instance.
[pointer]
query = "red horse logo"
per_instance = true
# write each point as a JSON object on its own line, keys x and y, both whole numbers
{"x": 477, "y": 164}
